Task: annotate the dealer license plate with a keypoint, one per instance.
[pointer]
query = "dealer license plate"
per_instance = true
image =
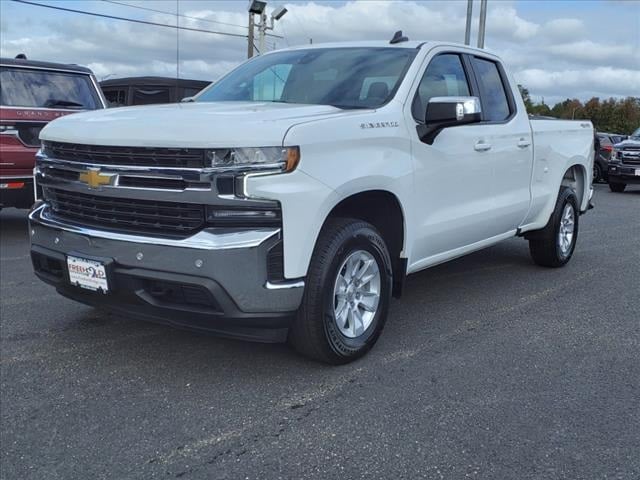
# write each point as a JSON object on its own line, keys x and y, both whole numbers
{"x": 88, "y": 274}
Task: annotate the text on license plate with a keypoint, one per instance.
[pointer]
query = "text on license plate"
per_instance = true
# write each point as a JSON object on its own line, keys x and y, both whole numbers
{"x": 637, "y": 172}
{"x": 88, "y": 274}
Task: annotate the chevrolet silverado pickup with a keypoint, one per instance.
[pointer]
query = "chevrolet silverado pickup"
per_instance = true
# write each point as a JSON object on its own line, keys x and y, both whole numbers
{"x": 290, "y": 199}
{"x": 33, "y": 93}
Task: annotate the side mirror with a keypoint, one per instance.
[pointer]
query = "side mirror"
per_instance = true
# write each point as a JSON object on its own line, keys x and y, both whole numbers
{"x": 444, "y": 112}
{"x": 187, "y": 100}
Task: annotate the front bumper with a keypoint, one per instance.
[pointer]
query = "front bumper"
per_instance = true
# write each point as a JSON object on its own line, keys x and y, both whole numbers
{"x": 621, "y": 173}
{"x": 18, "y": 197}
{"x": 215, "y": 280}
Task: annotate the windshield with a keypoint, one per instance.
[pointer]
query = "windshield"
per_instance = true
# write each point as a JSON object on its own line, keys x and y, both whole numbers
{"x": 636, "y": 134}
{"x": 20, "y": 87}
{"x": 342, "y": 77}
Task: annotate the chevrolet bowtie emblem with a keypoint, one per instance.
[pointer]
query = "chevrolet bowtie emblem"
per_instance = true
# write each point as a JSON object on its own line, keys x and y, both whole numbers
{"x": 94, "y": 178}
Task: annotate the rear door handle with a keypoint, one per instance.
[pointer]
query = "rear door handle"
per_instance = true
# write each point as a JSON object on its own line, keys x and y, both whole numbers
{"x": 523, "y": 143}
{"x": 482, "y": 147}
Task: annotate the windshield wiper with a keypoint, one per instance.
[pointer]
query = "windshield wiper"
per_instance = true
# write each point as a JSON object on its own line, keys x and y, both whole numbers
{"x": 55, "y": 102}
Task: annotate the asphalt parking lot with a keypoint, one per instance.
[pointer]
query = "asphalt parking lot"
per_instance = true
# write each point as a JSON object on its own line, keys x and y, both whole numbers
{"x": 489, "y": 367}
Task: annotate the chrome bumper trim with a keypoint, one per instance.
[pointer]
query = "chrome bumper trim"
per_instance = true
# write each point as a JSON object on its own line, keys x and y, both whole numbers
{"x": 204, "y": 240}
{"x": 15, "y": 177}
{"x": 284, "y": 285}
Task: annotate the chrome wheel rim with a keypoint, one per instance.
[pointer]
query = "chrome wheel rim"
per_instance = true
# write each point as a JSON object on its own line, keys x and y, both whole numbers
{"x": 567, "y": 226}
{"x": 356, "y": 293}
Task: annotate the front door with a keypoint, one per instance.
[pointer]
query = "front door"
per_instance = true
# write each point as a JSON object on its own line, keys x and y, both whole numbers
{"x": 454, "y": 177}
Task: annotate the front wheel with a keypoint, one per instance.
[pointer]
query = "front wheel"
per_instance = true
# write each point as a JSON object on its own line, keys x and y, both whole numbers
{"x": 347, "y": 293}
{"x": 617, "y": 187}
{"x": 597, "y": 173}
{"x": 553, "y": 246}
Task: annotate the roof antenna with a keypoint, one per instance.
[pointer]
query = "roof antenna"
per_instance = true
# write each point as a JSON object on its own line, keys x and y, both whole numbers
{"x": 21, "y": 56}
{"x": 398, "y": 37}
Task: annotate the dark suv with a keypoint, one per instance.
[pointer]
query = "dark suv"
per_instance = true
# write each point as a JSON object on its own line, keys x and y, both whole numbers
{"x": 31, "y": 95}
{"x": 607, "y": 141}
{"x": 624, "y": 164}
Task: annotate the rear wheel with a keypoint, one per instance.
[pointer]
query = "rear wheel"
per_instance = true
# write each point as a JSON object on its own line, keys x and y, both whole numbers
{"x": 347, "y": 293}
{"x": 553, "y": 246}
{"x": 617, "y": 187}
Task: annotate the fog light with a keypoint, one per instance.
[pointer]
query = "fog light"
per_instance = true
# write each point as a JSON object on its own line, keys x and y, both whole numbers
{"x": 245, "y": 216}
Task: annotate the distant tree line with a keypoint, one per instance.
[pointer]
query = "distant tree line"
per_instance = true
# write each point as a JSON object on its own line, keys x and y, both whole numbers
{"x": 614, "y": 115}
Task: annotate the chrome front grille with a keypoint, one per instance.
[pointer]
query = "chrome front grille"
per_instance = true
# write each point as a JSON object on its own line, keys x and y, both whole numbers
{"x": 630, "y": 155}
{"x": 126, "y": 156}
{"x": 125, "y": 215}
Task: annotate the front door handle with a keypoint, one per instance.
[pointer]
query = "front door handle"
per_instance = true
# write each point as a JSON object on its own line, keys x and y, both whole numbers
{"x": 524, "y": 143}
{"x": 482, "y": 146}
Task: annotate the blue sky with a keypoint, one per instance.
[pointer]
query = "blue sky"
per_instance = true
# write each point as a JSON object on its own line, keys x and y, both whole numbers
{"x": 556, "y": 48}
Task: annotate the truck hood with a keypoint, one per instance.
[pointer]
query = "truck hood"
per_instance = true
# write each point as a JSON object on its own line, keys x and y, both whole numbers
{"x": 187, "y": 125}
{"x": 629, "y": 142}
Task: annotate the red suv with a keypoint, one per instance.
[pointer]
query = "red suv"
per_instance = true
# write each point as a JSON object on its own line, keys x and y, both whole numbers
{"x": 31, "y": 95}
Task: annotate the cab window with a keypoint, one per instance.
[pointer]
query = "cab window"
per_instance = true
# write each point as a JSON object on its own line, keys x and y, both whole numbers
{"x": 493, "y": 94}
{"x": 444, "y": 77}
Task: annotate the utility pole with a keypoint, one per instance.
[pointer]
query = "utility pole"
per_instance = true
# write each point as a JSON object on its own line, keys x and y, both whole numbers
{"x": 467, "y": 32}
{"x": 483, "y": 23}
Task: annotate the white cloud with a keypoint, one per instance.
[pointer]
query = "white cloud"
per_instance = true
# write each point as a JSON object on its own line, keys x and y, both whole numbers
{"x": 505, "y": 22}
{"x": 625, "y": 82}
{"x": 563, "y": 29}
{"x": 592, "y": 52}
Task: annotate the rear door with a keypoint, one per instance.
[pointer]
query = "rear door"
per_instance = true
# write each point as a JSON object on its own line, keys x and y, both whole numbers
{"x": 506, "y": 135}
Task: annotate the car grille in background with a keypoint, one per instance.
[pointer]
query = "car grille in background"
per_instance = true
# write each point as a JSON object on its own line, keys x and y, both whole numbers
{"x": 128, "y": 156}
{"x": 630, "y": 155}
{"x": 126, "y": 215}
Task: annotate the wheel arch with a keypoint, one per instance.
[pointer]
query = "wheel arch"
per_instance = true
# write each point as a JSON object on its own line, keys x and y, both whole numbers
{"x": 383, "y": 210}
{"x": 576, "y": 177}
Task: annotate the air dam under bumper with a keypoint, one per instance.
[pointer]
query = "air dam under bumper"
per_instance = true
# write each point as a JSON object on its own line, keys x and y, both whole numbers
{"x": 159, "y": 279}
{"x": 620, "y": 173}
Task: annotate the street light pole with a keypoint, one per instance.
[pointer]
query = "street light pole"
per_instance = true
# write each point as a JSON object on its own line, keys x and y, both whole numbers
{"x": 250, "y": 37}
{"x": 467, "y": 32}
{"x": 262, "y": 31}
{"x": 483, "y": 23}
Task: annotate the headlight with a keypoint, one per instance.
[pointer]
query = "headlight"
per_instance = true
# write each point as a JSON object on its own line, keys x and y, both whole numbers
{"x": 614, "y": 155}
{"x": 284, "y": 159}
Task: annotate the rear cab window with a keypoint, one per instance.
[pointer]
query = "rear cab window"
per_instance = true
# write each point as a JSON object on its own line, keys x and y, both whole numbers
{"x": 494, "y": 96}
{"x": 32, "y": 88}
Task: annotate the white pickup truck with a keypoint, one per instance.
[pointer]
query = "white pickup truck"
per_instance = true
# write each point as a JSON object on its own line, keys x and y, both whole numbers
{"x": 289, "y": 200}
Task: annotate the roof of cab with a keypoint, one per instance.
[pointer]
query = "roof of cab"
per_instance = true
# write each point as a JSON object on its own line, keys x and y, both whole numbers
{"x": 18, "y": 62}
{"x": 359, "y": 44}
{"x": 411, "y": 44}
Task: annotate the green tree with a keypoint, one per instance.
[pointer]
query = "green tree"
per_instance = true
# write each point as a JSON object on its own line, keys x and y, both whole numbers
{"x": 526, "y": 97}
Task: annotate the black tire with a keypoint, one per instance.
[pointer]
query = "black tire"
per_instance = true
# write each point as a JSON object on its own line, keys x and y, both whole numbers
{"x": 315, "y": 333}
{"x": 544, "y": 245}
{"x": 617, "y": 187}
{"x": 597, "y": 173}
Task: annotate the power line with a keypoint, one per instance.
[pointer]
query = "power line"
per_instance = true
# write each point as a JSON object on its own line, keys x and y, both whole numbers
{"x": 170, "y": 13}
{"x": 144, "y": 22}
{"x": 184, "y": 16}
